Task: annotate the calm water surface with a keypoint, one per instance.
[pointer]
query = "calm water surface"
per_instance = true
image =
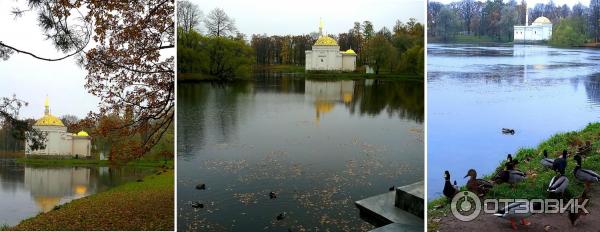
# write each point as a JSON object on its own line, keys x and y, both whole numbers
{"x": 26, "y": 191}
{"x": 475, "y": 91}
{"x": 320, "y": 145}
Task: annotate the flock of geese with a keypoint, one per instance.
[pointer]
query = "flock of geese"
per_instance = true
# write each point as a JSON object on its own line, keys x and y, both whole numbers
{"x": 557, "y": 186}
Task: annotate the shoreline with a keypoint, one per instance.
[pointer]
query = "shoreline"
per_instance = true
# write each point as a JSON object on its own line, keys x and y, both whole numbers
{"x": 534, "y": 187}
{"x": 144, "y": 205}
{"x": 93, "y": 162}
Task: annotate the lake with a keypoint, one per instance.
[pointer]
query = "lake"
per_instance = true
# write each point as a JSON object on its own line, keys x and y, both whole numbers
{"x": 319, "y": 145}
{"x": 26, "y": 190}
{"x": 474, "y": 91}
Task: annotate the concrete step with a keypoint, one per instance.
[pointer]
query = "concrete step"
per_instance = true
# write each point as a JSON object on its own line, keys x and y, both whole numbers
{"x": 399, "y": 227}
{"x": 380, "y": 210}
{"x": 411, "y": 198}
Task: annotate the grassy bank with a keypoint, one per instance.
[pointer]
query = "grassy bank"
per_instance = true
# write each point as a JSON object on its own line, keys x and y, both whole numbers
{"x": 146, "y": 205}
{"x": 538, "y": 177}
{"x": 92, "y": 162}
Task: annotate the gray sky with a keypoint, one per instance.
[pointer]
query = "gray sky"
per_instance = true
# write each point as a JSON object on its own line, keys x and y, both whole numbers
{"x": 31, "y": 79}
{"x": 532, "y": 3}
{"x": 285, "y": 17}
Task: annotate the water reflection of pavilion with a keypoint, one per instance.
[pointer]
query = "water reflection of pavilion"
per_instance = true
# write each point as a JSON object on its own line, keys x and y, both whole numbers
{"x": 325, "y": 94}
{"x": 48, "y": 186}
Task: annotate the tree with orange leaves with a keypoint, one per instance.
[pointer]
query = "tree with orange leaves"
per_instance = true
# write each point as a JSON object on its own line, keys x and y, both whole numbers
{"x": 122, "y": 45}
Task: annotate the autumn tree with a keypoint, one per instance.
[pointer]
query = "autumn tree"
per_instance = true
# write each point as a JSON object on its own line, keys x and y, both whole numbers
{"x": 379, "y": 52}
{"x": 218, "y": 23}
{"x": 121, "y": 44}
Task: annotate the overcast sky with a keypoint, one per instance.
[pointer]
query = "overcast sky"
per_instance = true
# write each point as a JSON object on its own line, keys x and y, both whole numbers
{"x": 532, "y": 3}
{"x": 32, "y": 79}
{"x": 286, "y": 17}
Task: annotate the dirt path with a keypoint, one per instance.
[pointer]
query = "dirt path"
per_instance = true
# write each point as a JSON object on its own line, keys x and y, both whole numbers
{"x": 539, "y": 222}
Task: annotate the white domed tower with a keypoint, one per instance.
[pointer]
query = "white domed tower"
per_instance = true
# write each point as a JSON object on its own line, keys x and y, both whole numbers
{"x": 58, "y": 141}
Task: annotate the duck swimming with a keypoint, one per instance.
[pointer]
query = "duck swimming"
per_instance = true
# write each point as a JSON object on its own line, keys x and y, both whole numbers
{"x": 449, "y": 189}
{"x": 478, "y": 186}
{"x": 547, "y": 162}
{"x": 584, "y": 175}
{"x": 512, "y": 212}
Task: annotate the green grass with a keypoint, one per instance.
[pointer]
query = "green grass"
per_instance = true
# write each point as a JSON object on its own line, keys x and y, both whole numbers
{"x": 538, "y": 177}
{"x": 146, "y": 205}
{"x": 92, "y": 162}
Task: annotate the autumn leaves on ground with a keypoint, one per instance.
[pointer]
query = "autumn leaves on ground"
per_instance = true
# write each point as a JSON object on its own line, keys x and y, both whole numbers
{"x": 143, "y": 205}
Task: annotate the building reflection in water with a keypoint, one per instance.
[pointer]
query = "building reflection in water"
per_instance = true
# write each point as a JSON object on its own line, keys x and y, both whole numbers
{"x": 326, "y": 94}
{"x": 48, "y": 186}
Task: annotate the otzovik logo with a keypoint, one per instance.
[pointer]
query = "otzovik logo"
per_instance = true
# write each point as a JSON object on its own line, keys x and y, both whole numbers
{"x": 465, "y": 206}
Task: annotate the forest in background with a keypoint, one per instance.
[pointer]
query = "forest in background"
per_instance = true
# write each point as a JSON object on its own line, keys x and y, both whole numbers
{"x": 493, "y": 21}
{"x": 212, "y": 46}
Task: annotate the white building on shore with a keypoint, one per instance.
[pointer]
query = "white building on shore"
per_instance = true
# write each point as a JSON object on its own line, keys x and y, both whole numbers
{"x": 326, "y": 55}
{"x": 539, "y": 31}
{"x": 58, "y": 140}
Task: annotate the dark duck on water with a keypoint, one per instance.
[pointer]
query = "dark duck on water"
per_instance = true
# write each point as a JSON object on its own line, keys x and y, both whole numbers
{"x": 449, "y": 189}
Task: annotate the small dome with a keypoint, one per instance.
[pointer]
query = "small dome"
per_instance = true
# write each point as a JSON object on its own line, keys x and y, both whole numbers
{"x": 49, "y": 120}
{"x": 350, "y": 51}
{"x": 82, "y": 133}
{"x": 542, "y": 20}
{"x": 326, "y": 41}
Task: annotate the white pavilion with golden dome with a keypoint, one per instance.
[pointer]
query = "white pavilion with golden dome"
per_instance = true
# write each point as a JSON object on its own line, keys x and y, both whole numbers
{"x": 539, "y": 31}
{"x": 326, "y": 55}
{"x": 59, "y": 142}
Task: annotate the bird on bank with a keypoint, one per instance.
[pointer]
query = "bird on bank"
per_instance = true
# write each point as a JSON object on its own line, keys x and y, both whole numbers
{"x": 511, "y": 177}
{"x": 547, "y": 162}
{"x": 584, "y": 175}
{"x": 574, "y": 216}
{"x": 560, "y": 164}
{"x": 558, "y": 184}
{"x": 510, "y": 163}
{"x": 513, "y": 212}
{"x": 449, "y": 189}
{"x": 478, "y": 186}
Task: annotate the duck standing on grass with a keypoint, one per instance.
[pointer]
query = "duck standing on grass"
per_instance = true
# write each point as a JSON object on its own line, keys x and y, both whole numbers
{"x": 573, "y": 216}
{"x": 512, "y": 212}
{"x": 558, "y": 184}
{"x": 478, "y": 186}
{"x": 560, "y": 164}
{"x": 584, "y": 175}
{"x": 510, "y": 163}
{"x": 547, "y": 162}
{"x": 449, "y": 189}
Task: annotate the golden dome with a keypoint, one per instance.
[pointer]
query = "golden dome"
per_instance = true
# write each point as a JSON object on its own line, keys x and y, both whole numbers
{"x": 49, "y": 120}
{"x": 350, "y": 51}
{"x": 82, "y": 133}
{"x": 542, "y": 20}
{"x": 326, "y": 41}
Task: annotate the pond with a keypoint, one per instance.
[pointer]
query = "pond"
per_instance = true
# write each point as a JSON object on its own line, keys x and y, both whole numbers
{"x": 26, "y": 190}
{"x": 475, "y": 91}
{"x": 318, "y": 145}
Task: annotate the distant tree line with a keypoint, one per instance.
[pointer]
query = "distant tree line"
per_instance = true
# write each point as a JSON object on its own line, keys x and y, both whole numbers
{"x": 396, "y": 50}
{"x": 212, "y": 45}
{"x": 494, "y": 19}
